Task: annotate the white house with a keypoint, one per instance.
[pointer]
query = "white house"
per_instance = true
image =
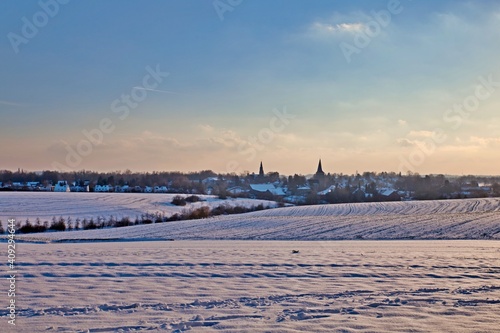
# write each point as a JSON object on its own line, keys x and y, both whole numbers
{"x": 79, "y": 188}
{"x": 236, "y": 190}
{"x": 210, "y": 181}
{"x": 32, "y": 184}
{"x": 390, "y": 194}
{"x": 17, "y": 184}
{"x": 122, "y": 189}
{"x": 46, "y": 188}
{"x": 160, "y": 189}
{"x": 266, "y": 188}
{"x": 102, "y": 188}
{"x": 328, "y": 190}
{"x": 62, "y": 186}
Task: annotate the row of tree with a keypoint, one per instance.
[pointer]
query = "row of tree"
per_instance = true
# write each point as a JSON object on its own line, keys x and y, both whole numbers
{"x": 419, "y": 187}
{"x": 69, "y": 224}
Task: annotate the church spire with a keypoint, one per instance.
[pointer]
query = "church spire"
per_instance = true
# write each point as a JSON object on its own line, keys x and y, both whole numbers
{"x": 320, "y": 171}
{"x": 261, "y": 170}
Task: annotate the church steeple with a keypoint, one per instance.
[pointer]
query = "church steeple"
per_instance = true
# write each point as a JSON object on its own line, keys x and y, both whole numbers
{"x": 320, "y": 171}
{"x": 261, "y": 170}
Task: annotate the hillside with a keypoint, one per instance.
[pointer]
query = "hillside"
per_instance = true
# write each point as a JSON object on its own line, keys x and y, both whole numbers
{"x": 447, "y": 219}
{"x": 32, "y": 205}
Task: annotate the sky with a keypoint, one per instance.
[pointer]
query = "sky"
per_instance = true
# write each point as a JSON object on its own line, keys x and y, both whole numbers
{"x": 201, "y": 84}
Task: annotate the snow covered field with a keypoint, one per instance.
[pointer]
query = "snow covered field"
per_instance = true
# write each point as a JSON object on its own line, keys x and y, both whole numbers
{"x": 23, "y": 205}
{"x": 199, "y": 283}
{"x": 255, "y": 286}
{"x": 446, "y": 219}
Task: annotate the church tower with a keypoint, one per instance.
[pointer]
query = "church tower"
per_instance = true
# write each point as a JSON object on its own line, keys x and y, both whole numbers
{"x": 261, "y": 170}
{"x": 319, "y": 172}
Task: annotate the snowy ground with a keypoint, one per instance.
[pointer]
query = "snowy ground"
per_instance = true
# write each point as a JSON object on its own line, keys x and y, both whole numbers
{"x": 209, "y": 285}
{"x": 23, "y": 205}
{"x": 446, "y": 219}
{"x": 256, "y": 286}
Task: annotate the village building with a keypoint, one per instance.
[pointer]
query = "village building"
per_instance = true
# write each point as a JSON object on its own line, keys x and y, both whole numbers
{"x": 319, "y": 172}
{"x": 103, "y": 188}
{"x": 62, "y": 186}
{"x": 265, "y": 191}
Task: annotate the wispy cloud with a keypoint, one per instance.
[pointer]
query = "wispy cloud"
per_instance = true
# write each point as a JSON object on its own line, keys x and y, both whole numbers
{"x": 421, "y": 134}
{"x": 482, "y": 141}
{"x": 160, "y": 91}
{"x": 405, "y": 142}
{"x": 3, "y": 102}
{"x": 326, "y": 28}
{"x": 338, "y": 24}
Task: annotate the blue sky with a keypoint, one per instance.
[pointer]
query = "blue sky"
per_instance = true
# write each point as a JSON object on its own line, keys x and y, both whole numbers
{"x": 381, "y": 109}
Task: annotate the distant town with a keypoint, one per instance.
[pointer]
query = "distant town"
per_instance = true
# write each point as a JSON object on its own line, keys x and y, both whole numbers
{"x": 317, "y": 188}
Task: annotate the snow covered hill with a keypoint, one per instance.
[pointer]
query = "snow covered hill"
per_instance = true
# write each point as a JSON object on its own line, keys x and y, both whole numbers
{"x": 446, "y": 219}
{"x": 32, "y": 205}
